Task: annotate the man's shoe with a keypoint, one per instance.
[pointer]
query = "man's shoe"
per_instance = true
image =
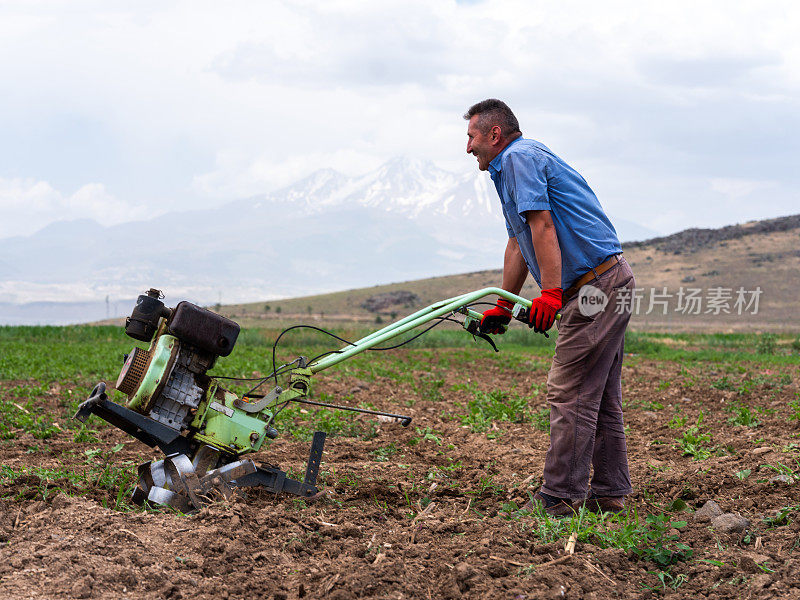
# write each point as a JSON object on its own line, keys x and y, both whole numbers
{"x": 608, "y": 504}
{"x": 555, "y": 507}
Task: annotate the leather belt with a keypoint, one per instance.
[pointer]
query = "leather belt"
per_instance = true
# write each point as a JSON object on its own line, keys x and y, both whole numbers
{"x": 591, "y": 276}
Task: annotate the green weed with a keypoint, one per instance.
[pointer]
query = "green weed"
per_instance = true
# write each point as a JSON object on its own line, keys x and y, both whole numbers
{"x": 429, "y": 388}
{"x": 794, "y": 406}
{"x": 497, "y": 405}
{"x": 647, "y": 539}
{"x": 694, "y": 442}
{"x": 653, "y": 405}
{"x": 782, "y": 516}
{"x": 430, "y": 434}
{"x": 384, "y": 453}
{"x": 301, "y": 423}
{"x": 711, "y": 561}
{"x": 16, "y": 418}
{"x": 766, "y": 344}
{"x": 782, "y": 469}
{"x": 541, "y": 419}
{"x": 678, "y": 421}
{"x": 668, "y": 580}
{"x": 98, "y": 471}
{"x": 723, "y": 383}
{"x": 487, "y": 485}
{"x": 85, "y": 434}
{"x": 746, "y": 385}
{"x": 743, "y": 416}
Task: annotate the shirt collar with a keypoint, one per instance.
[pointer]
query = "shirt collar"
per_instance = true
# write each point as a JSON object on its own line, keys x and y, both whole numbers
{"x": 495, "y": 166}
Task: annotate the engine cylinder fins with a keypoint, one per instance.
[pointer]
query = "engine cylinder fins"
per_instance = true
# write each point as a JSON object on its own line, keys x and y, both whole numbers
{"x": 179, "y": 396}
{"x": 133, "y": 371}
{"x": 188, "y": 484}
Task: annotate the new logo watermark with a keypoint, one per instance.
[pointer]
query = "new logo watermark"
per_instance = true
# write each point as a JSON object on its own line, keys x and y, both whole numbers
{"x": 591, "y": 300}
{"x": 687, "y": 301}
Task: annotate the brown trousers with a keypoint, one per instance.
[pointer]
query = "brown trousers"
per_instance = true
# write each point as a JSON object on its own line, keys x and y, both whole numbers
{"x": 585, "y": 395}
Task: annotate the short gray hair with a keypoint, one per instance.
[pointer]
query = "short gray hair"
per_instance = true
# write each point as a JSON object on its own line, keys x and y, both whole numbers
{"x": 493, "y": 112}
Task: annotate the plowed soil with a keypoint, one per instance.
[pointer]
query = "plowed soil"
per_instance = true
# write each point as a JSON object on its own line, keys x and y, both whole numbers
{"x": 427, "y": 511}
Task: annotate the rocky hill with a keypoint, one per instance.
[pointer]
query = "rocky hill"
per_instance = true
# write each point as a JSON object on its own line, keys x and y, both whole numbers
{"x": 692, "y": 240}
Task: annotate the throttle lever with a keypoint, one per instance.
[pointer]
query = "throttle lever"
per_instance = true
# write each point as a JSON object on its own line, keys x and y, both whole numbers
{"x": 485, "y": 336}
{"x": 523, "y": 313}
{"x": 473, "y": 326}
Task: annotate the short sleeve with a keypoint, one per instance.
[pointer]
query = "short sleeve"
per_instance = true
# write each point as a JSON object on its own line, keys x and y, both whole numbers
{"x": 526, "y": 182}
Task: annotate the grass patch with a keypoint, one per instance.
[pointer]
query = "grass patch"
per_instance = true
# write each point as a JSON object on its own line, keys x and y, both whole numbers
{"x": 16, "y": 418}
{"x": 384, "y": 453}
{"x": 743, "y": 416}
{"x": 782, "y": 517}
{"x": 98, "y": 471}
{"x": 541, "y": 419}
{"x": 487, "y": 407}
{"x": 695, "y": 442}
{"x": 301, "y": 422}
{"x": 646, "y": 539}
{"x": 794, "y": 409}
{"x": 429, "y": 387}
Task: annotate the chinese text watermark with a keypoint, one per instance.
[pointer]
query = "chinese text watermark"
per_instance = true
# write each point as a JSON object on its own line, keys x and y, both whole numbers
{"x": 661, "y": 301}
{"x": 689, "y": 301}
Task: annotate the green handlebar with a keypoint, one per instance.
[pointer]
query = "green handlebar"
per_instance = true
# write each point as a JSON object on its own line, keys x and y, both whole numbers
{"x": 410, "y": 322}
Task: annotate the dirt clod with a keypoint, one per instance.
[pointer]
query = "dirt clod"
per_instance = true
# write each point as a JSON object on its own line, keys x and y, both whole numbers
{"x": 83, "y": 588}
{"x": 761, "y": 581}
{"x": 709, "y": 511}
{"x": 497, "y": 569}
{"x": 730, "y": 523}
{"x": 748, "y": 565}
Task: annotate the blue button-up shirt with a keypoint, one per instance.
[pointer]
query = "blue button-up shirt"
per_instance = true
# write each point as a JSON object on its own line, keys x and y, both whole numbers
{"x": 528, "y": 176}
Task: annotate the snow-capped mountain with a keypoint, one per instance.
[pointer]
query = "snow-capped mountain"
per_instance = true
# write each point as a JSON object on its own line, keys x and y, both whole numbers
{"x": 407, "y": 219}
{"x": 407, "y": 187}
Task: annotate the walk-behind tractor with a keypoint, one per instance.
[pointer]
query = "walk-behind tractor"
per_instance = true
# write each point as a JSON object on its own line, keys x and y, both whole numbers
{"x": 204, "y": 429}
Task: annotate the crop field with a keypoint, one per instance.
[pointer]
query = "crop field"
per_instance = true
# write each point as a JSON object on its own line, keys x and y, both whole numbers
{"x": 429, "y": 511}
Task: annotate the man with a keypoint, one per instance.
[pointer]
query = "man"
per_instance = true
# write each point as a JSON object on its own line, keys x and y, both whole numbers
{"x": 558, "y": 232}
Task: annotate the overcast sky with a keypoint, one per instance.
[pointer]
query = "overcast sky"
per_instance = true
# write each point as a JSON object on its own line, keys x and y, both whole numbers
{"x": 678, "y": 114}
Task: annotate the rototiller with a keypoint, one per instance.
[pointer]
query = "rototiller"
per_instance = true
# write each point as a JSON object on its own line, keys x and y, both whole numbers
{"x": 204, "y": 429}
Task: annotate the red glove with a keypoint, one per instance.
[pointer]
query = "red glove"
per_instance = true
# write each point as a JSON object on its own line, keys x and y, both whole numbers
{"x": 544, "y": 309}
{"x": 494, "y": 318}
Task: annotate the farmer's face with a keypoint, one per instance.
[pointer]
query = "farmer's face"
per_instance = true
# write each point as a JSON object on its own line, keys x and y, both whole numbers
{"x": 484, "y": 146}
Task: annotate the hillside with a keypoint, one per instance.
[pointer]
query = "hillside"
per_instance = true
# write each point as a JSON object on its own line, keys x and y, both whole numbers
{"x": 757, "y": 254}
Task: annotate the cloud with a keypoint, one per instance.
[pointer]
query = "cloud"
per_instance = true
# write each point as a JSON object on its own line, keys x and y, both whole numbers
{"x": 28, "y": 205}
{"x": 737, "y": 188}
{"x": 175, "y": 105}
{"x": 706, "y": 72}
{"x": 239, "y": 175}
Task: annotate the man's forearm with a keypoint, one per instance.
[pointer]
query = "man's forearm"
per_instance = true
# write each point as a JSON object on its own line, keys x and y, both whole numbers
{"x": 515, "y": 271}
{"x": 545, "y": 244}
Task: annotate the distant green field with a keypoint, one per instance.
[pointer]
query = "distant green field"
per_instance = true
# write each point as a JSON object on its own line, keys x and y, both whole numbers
{"x": 84, "y": 354}
{"x": 69, "y": 361}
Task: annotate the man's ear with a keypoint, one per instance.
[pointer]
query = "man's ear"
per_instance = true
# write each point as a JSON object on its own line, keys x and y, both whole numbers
{"x": 496, "y": 133}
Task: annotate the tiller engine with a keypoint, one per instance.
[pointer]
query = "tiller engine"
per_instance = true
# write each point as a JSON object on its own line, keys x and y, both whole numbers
{"x": 204, "y": 429}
